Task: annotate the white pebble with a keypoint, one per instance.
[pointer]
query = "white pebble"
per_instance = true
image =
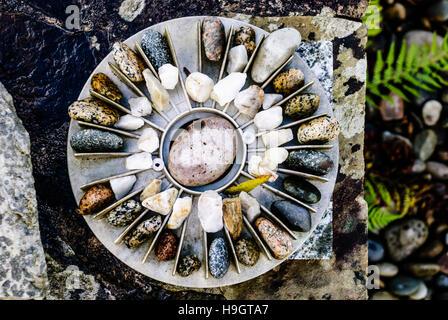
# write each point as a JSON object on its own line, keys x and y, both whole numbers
{"x": 199, "y": 86}
{"x": 226, "y": 89}
{"x": 249, "y": 136}
{"x": 237, "y": 59}
{"x": 421, "y": 292}
{"x": 159, "y": 96}
{"x": 276, "y": 155}
{"x": 431, "y": 112}
{"x": 254, "y": 165}
{"x": 270, "y": 99}
{"x": 269, "y": 119}
{"x": 140, "y": 106}
{"x": 169, "y": 76}
{"x": 122, "y": 186}
{"x": 149, "y": 140}
{"x": 142, "y": 160}
{"x": 210, "y": 211}
{"x": 277, "y": 138}
{"x": 129, "y": 122}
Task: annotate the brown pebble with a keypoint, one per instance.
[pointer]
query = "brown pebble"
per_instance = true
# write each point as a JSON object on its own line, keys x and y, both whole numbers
{"x": 167, "y": 246}
{"x": 95, "y": 199}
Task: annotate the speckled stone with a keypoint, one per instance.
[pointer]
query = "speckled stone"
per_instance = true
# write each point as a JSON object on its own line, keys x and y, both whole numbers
{"x": 278, "y": 241}
{"x": 301, "y": 189}
{"x": 143, "y": 231}
{"x": 156, "y": 48}
{"x": 95, "y": 199}
{"x": 166, "y": 246}
{"x": 405, "y": 237}
{"x": 128, "y": 62}
{"x": 102, "y": 84}
{"x": 288, "y": 81}
{"x": 213, "y": 38}
{"x": 309, "y": 161}
{"x": 94, "y": 111}
{"x": 233, "y": 218}
{"x": 246, "y": 36}
{"x": 218, "y": 258}
{"x": 92, "y": 140}
{"x": 295, "y": 217}
{"x": 302, "y": 106}
{"x": 188, "y": 265}
{"x": 319, "y": 130}
{"x": 124, "y": 214}
{"x": 247, "y": 251}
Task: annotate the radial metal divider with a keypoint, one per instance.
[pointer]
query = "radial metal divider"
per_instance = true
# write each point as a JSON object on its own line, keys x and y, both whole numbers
{"x": 121, "y": 175}
{"x": 181, "y": 242}
{"x": 103, "y": 154}
{"x": 205, "y": 247}
{"x": 296, "y": 147}
{"x": 97, "y": 126}
{"x": 176, "y": 63}
{"x": 199, "y": 46}
{"x": 232, "y": 247}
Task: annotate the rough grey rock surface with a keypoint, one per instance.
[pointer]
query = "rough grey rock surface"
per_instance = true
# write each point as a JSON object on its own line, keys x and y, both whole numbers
{"x": 23, "y": 271}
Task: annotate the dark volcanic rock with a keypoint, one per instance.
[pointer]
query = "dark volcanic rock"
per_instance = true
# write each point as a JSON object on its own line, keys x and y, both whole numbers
{"x": 301, "y": 189}
{"x": 156, "y": 48}
{"x": 296, "y": 217}
{"x": 310, "y": 161}
{"x": 91, "y": 140}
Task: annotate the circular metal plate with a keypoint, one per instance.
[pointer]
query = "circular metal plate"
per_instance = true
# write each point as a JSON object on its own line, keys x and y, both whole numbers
{"x": 82, "y": 171}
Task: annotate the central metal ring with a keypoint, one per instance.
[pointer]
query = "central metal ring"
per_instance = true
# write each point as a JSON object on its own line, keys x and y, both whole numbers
{"x": 229, "y": 176}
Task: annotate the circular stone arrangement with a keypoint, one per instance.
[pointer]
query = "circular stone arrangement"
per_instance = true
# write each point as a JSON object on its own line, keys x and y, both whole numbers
{"x": 100, "y": 177}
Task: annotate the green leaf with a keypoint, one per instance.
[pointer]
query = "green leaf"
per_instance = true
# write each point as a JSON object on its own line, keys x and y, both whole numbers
{"x": 401, "y": 57}
{"x": 412, "y": 91}
{"x": 397, "y": 91}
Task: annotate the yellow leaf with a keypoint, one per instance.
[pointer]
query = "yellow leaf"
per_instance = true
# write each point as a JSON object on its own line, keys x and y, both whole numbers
{"x": 248, "y": 186}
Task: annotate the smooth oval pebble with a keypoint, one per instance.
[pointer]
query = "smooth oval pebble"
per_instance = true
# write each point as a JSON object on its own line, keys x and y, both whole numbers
{"x": 188, "y": 265}
{"x": 124, "y": 214}
{"x": 237, "y": 59}
{"x": 388, "y": 269}
{"x": 246, "y": 36}
{"x": 129, "y": 122}
{"x": 166, "y": 246}
{"x": 288, "y": 81}
{"x": 403, "y": 285}
{"x": 376, "y": 251}
{"x": 421, "y": 293}
{"x": 295, "y": 217}
{"x": 199, "y": 86}
{"x": 422, "y": 270}
{"x": 213, "y": 38}
{"x": 94, "y": 111}
{"x": 143, "y": 231}
{"x": 95, "y": 199}
{"x": 320, "y": 130}
{"x": 301, "y": 189}
{"x": 269, "y": 119}
{"x": 274, "y": 51}
{"x": 155, "y": 47}
{"x": 302, "y": 106}
{"x": 91, "y": 140}
{"x": 103, "y": 85}
{"x": 247, "y": 252}
{"x": 309, "y": 161}
{"x": 278, "y": 241}
{"x": 218, "y": 258}
{"x": 128, "y": 62}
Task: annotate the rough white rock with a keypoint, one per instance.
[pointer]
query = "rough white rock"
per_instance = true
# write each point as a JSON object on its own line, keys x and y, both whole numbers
{"x": 129, "y": 122}
{"x": 210, "y": 211}
{"x": 274, "y": 51}
{"x": 181, "y": 209}
{"x": 159, "y": 96}
{"x": 122, "y": 186}
{"x": 249, "y": 136}
{"x": 142, "y": 160}
{"x": 276, "y": 155}
{"x": 162, "y": 202}
{"x": 269, "y": 119}
{"x": 199, "y": 86}
{"x": 271, "y": 99}
{"x": 140, "y": 106}
{"x": 250, "y": 206}
{"x": 148, "y": 141}
{"x": 237, "y": 59}
{"x": 130, "y": 9}
{"x": 277, "y": 138}
{"x": 23, "y": 272}
{"x": 169, "y": 76}
{"x": 153, "y": 188}
{"x": 249, "y": 100}
{"x": 226, "y": 89}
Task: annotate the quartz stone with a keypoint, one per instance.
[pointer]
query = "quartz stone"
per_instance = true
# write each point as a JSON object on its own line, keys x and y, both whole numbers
{"x": 250, "y": 206}
{"x": 169, "y": 76}
{"x": 153, "y": 188}
{"x": 129, "y": 122}
{"x": 122, "y": 186}
{"x": 249, "y": 100}
{"x": 140, "y": 106}
{"x": 269, "y": 119}
{"x": 271, "y": 99}
{"x": 237, "y": 59}
{"x": 181, "y": 209}
{"x": 210, "y": 211}
{"x": 141, "y": 160}
{"x": 277, "y": 138}
{"x": 148, "y": 141}
{"x": 159, "y": 96}
{"x": 227, "y": 88}
{"x": 162, "y": 202}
